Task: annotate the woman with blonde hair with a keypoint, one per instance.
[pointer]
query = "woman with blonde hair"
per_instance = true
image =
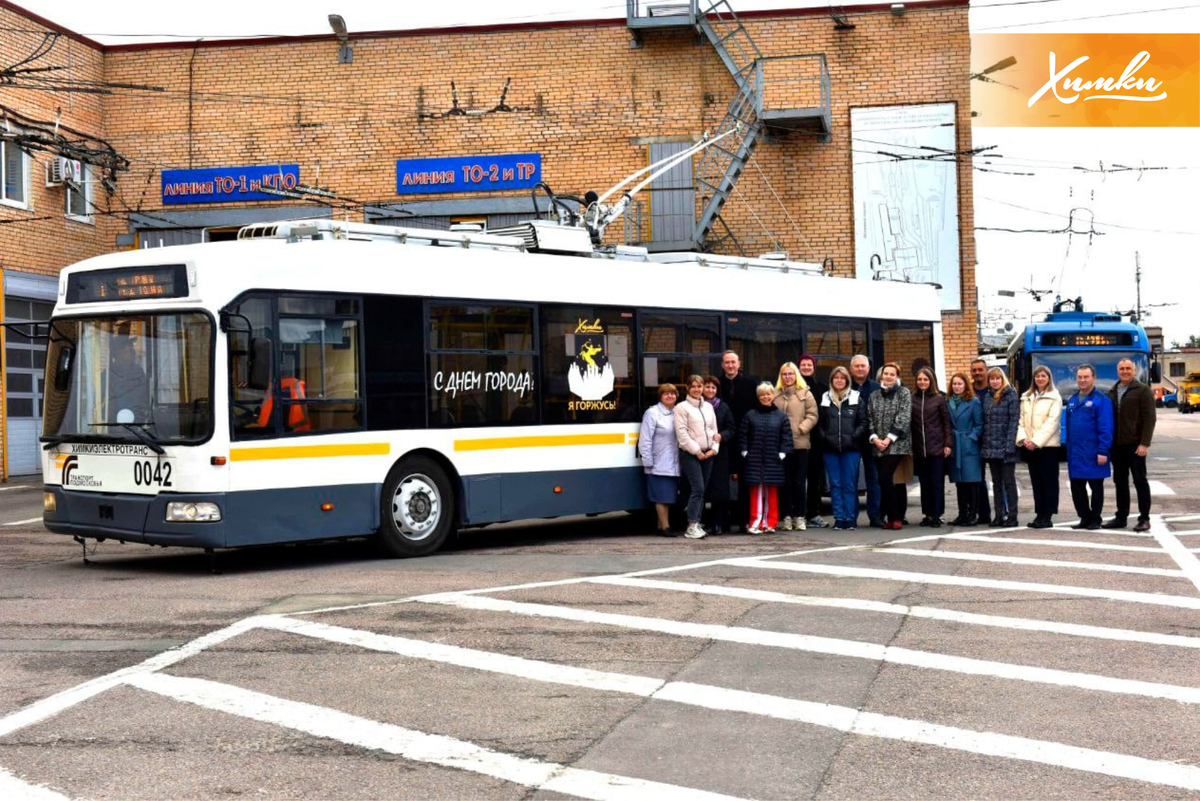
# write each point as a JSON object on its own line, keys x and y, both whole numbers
{"x": 1038, "y": 437}
{"x": 797, "y": 402}
{"x": 998, "y": 445}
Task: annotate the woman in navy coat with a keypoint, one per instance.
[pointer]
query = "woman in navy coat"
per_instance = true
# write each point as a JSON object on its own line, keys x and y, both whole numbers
{"x": 965, "y": 465}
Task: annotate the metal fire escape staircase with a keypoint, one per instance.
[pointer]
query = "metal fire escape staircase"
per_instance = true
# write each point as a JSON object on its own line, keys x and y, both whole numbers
{"x": 721, "y": 164}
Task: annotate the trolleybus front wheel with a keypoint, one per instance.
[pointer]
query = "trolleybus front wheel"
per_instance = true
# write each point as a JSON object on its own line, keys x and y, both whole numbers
{"x": 417, "y": 508}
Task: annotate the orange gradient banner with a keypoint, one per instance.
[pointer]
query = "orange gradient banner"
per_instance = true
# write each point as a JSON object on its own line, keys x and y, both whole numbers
{"x": 1086, "y": 80}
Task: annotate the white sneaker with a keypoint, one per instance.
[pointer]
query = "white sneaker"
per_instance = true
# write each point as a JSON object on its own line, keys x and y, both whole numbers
{"x": 694, "y": 532}
{"x": 786, "y": 525}
{"x": 754, "y": 530}
{"x": 800, "y": 526}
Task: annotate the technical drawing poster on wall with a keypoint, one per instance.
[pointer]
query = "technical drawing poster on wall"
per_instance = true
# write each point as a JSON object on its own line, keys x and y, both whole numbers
{"x": 906, "y": 196}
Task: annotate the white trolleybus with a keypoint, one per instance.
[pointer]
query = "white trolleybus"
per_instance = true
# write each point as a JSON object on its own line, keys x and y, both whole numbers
{"x": 318, "y": 379}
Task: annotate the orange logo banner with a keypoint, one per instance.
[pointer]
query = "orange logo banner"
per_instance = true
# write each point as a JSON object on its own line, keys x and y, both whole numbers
{"x": 1086, "y": 80}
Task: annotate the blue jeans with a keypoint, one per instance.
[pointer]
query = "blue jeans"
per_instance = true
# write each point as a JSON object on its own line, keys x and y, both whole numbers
{"x": 871, "y": 478}
{"x": 696, "y": 472}
{"x": 842, "y": 470}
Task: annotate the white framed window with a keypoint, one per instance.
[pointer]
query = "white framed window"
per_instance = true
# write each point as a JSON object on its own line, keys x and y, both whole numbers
{"x": 14, "y": 175}
{"x": 79, "y": 197}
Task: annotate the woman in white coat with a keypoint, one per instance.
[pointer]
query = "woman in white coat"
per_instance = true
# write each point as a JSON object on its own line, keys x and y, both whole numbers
{"x": 1038, "y": 438}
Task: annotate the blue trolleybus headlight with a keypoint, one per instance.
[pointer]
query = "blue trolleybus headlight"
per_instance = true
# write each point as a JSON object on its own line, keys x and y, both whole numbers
{"x": 188, "y": 512}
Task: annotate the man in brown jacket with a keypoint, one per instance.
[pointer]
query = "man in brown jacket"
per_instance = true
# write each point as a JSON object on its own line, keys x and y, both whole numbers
{"x": 1133, "y": 409}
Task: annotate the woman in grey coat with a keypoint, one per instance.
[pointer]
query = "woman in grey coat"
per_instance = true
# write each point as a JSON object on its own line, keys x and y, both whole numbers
{"x": 889, "y": 431}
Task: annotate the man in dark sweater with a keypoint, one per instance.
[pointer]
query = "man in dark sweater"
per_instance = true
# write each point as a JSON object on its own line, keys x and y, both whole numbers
{"x": 1135, "y": 416}
{"x": 739, "y": 391}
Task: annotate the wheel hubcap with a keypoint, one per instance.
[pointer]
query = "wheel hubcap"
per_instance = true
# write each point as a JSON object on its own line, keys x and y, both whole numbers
{"x": 417, "y": 507}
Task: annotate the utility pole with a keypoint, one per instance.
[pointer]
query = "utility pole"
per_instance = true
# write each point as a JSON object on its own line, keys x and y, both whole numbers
{"x": 1137, "y": 279}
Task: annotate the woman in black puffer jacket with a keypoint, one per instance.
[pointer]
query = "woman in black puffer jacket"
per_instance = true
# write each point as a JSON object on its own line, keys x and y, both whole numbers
{"x": 841, "y": 429}
{"x": 998, "y": 445}
{"x": 765, "y": 439}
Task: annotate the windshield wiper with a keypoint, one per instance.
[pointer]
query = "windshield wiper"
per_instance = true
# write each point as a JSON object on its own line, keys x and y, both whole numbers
{"x": 52, "y": 442}
{"x": 139, "y": 431}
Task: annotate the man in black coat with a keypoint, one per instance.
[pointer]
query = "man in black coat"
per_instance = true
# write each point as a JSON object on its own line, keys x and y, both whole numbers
{"x": 861, "y": 382}
{"x": 816, "y": 461}
{"x": 738, "y": 391}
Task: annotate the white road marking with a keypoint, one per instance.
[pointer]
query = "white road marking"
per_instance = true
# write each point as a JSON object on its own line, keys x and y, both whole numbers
{"x": 1159, "y": 488}
{"x": 54, "y": 704}
{"x": 845, "y": 719}
{"x": 1059, "y": 543}
{"x": 24, "y": 522}
{"x": 18, "y": 487}
{"x": 829, "y": 645}
{"x": 409, "y": 744}
{"x": 967, "y": 556}
{"x": 1183, "y": 557}
{"x": 1153, "y": 599}
{"x": 926, "y": 612}
{"x": 1180, "y": 518}
{"x": 14, "y": 789}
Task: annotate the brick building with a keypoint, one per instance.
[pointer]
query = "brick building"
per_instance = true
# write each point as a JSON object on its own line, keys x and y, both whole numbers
{"x": 338, "y": 123}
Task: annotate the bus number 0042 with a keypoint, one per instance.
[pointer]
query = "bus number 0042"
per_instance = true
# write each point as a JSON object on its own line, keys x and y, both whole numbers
{"x": 147, "y": 474}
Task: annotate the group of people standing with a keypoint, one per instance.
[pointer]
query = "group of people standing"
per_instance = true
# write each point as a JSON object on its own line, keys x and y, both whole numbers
{"x": 764, "y": 449}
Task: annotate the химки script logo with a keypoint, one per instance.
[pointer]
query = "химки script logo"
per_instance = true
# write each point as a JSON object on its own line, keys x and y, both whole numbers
{"x": 1125, "y": 83}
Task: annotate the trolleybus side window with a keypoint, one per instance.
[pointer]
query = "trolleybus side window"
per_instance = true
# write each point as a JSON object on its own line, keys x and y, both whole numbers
{"x": 675, "y": 346}
{"x": 319, "y": 383}
{"x": 251, "y": 367}
{"x": 909, "y": 345}
{"x": 482, "y": 364}
{"x": 588, "y": 365}
{"x": 764, "y": 342}
{"x": 394, "y": 345}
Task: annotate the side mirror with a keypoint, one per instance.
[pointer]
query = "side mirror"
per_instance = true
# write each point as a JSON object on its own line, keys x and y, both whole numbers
{"x": 62, "y": 368}
{"x": 1155, "y": 373}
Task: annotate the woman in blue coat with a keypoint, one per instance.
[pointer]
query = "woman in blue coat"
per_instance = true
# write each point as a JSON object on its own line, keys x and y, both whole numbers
{"x": 965, "y": 465}
{"x": 1090, "y": 423}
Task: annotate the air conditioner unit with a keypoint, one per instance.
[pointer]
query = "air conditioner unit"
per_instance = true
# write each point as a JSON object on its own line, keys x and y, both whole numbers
{"x": 60, "y": 170}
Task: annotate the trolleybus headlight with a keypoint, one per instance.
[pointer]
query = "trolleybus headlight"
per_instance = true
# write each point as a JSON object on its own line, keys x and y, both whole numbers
{"x": 189, "y": 512}
{"x": 48, "y": 503}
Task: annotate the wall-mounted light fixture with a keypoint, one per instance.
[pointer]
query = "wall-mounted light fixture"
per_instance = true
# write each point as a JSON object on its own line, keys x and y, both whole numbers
{"x": 345, "y": 54}
{"x": 898, "y": 9}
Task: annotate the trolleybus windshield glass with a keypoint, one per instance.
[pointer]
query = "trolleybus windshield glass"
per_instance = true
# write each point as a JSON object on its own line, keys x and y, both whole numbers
{"x": 152, "y": 372}
{"x": 1064, "y": 363}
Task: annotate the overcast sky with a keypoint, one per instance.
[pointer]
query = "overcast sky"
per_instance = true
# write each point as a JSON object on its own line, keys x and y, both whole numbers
{"x": 1148, "y": 213}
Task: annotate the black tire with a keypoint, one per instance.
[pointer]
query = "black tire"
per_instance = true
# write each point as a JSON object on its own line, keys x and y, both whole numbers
{"x": 417, "y": 508}
{"x": 1172, "y": 404}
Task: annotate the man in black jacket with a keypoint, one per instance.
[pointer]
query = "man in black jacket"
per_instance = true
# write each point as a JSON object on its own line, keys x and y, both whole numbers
{"x": 1135, "y": 416}
{"x": 861, "y": 381}
{"x": 739, "y": 391}
{"x": 816, "y": 461}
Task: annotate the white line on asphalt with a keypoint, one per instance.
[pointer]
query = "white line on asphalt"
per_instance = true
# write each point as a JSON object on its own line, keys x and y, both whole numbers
{"x": 927, "y": 612}
{"x": 908, "y": 577}
{"x": 18, "y": 487}
{"x": 54, "y": 704}
{"x": 1159, "y": 488}
{"x": 967, "y": 556}
{"x": 15, "y": 789}
{"x": 1179, "y": 518}
{"x": 831, "y": 646}
{"x": 1183, "y": 557}
{"x": 24, "y": 522}
{"x": 843, "y": 719}
{"x": 409, "y": 744}
{"x": 1060, "y": 543}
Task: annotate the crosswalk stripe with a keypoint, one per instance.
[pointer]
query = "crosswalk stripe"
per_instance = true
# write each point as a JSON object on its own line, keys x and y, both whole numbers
{"x": 968, "y": 556}
{"x": 925, "y": 612}
{"x": 1153, "y": 599}
{"x": 831, "y": 646}
{"x": 410, "y": 744}
{"x": 845, "y": 719}
{"x": 1099, "y": 546}
{"x": 15, "y": 789}
{"x": 1159, "y": 488}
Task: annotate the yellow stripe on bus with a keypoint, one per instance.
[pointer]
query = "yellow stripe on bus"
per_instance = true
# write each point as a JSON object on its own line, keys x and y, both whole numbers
{"x": 309, "y": 451}
{"x": 498, "y": 443}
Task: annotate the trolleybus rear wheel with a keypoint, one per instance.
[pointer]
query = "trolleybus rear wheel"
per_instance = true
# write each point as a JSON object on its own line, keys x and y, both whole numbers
{"x": 417, "y": 511}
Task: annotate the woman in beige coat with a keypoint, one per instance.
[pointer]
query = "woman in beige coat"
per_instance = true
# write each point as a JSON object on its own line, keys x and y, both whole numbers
{"x": 1038, "y": 440}
{"x": 797, "y": 402}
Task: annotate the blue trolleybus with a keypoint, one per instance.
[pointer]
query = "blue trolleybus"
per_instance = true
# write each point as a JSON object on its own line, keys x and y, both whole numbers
{"x": 1069, "y": 338}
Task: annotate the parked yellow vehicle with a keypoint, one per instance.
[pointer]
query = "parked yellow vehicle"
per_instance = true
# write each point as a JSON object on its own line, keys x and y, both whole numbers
{"x": 1189, "y": 393}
